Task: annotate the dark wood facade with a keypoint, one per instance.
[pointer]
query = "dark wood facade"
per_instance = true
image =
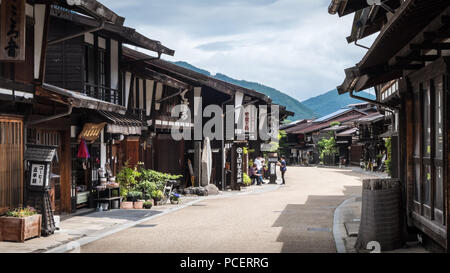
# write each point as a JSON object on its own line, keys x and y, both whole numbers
{"x": 69, "y": 76}
{"x": 408, "y": 65}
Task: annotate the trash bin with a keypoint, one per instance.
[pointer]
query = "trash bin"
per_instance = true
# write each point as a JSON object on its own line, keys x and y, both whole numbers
{"x": 115, "y": 204}
{"x": 381, "y": 215}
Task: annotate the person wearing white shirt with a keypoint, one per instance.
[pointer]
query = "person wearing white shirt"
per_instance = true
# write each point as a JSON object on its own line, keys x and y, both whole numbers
{"x": 259, "y": 168}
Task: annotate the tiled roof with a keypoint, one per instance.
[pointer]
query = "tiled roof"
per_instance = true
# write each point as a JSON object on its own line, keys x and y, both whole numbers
{"x": 375, "y": 117}
{"x": 40, "y": 153}
{"x": 298, "y": 127}
{"x": 348, "y": 132}
{"x": 317, "y": 127}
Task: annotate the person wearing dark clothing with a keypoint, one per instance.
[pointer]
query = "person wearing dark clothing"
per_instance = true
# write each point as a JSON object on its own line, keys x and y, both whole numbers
{"x": 283, "y": 169}
{"x": 253, "y": 173}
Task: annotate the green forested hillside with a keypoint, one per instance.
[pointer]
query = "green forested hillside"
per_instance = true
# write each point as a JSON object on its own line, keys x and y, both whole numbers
{"x": 331, "y": 101}
{"x": 278, "y": 97}
{"x": 316, "y": 107}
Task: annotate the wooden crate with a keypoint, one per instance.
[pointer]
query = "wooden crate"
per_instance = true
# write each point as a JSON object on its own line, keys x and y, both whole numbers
{"x": 20, "y": 229}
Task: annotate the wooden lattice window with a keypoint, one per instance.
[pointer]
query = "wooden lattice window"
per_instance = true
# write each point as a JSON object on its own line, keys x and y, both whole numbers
{"x": 11, "y": 163}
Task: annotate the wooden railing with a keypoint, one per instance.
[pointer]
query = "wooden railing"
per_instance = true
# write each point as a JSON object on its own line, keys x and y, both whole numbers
{"x": 102, "y": 93}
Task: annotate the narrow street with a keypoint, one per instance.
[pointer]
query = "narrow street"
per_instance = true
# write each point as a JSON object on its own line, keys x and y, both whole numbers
{"x": 296, "y": 218}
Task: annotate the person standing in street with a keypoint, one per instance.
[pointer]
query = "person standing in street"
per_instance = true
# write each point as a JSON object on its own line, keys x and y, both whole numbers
{"x": 253, "y": 174}
{"x": 283, "y": 168}
{"x": 259, "y": 169}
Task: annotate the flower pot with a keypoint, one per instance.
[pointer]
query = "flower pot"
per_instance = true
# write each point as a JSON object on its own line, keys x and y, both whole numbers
{"x": 126, "y": 205}
{"x": 14, "y": 229}
{"x": 148, "y": 206}
{"x": 157, "y": 201}
{"x": 138, "y": 205}
{"x": 175, "y": 202}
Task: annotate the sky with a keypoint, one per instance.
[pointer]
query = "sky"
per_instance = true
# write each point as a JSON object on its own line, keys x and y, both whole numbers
{"x": 295, "y": 46}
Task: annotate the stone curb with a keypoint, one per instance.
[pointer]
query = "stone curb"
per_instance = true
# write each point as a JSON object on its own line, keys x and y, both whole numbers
{"x": 339, "y": 231}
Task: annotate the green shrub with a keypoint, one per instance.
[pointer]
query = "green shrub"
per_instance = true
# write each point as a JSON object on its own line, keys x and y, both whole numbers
{"x": 134, "y": 196}
{"x": 388, "y": 162}
{"x": 327, "y": 147}
{"x": 247, "y": 180}
{"x": 157, "y": 194}
{"x": 146, "y": 187}
{"x": 158, "y": 179}
{"x": 335, "y": 123}
{"x": 148, "y": 204}
{"x": 128, "y": 180}
{"x": 144, "y": 181}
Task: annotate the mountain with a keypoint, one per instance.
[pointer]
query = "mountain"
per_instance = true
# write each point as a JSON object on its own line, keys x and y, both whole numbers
{"x": 278, "y": 97}
{"x": 331, "y": 101}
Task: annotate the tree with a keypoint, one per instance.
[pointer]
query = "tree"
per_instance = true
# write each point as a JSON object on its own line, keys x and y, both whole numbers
{"x": 327, "y": 147}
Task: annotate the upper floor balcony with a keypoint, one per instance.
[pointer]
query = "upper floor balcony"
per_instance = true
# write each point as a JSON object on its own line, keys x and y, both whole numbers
{"x": 103, "y": 93}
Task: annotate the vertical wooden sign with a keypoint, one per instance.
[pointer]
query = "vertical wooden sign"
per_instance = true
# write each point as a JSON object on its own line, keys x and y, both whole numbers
{"x": 12, "y": 30}
{"x": 237, "y": 162}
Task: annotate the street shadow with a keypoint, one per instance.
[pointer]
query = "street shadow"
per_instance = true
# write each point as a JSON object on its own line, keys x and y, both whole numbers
{"x": 308, "y": 228}
{"x": 131, "y": 215}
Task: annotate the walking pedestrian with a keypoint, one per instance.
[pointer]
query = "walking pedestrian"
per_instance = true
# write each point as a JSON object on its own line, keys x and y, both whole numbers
{"x": 283, "y": 168}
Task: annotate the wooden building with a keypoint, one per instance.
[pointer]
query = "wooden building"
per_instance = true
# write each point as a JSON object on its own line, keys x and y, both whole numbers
{"x": 22, "y": 73}
{"x": 308, "y": 134}
{"x": 69, "y": 78}
{"x": 160, "y": 85}
{"x": 69, "y": 86}
{"x": 408, "y": 66}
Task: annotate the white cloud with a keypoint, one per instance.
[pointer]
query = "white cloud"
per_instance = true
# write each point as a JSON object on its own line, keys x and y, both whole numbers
{"x": 291, "y": 45}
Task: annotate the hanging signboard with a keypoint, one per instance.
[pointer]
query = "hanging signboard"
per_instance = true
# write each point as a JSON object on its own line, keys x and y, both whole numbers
{"x": 12, "y": 30}
{"x": 37, "y": 175}
{"x": 250, "y": 116}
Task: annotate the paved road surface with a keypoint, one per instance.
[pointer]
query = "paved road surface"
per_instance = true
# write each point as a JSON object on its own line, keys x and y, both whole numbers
{"x": 296, "y": 218}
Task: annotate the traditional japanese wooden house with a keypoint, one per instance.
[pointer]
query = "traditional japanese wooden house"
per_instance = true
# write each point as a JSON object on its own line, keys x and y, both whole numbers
{"x": 172, "y": 85}
{"x": 309, "y": 134}
{"x": 370, "y": 136}
{"x": 408, "y": 66}
{"x": 83, "y": 96}
{"x": 23, "y": 44}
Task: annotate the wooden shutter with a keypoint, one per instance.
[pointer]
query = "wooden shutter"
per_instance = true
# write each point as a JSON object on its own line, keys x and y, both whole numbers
{"x": 11, "y": 163}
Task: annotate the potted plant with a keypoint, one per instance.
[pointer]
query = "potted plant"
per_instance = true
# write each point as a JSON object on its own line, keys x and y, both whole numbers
{"x": 136, "y": 198}
{"x": 20, "y": 224}
{"x": 174, "y": 199}
{"x": 148, "y": 204}
{"x": 128, "y": 179}
{"x": 157, "y": 196}
{"x": 126, "y": 205}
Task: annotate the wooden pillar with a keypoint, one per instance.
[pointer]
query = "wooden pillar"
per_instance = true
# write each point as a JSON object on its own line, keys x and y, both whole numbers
{"x": 198, "y": 162}
{"x": 66, "y": 172}
{"x": 447, "y": 152}
{"x": 408, "y": 139}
